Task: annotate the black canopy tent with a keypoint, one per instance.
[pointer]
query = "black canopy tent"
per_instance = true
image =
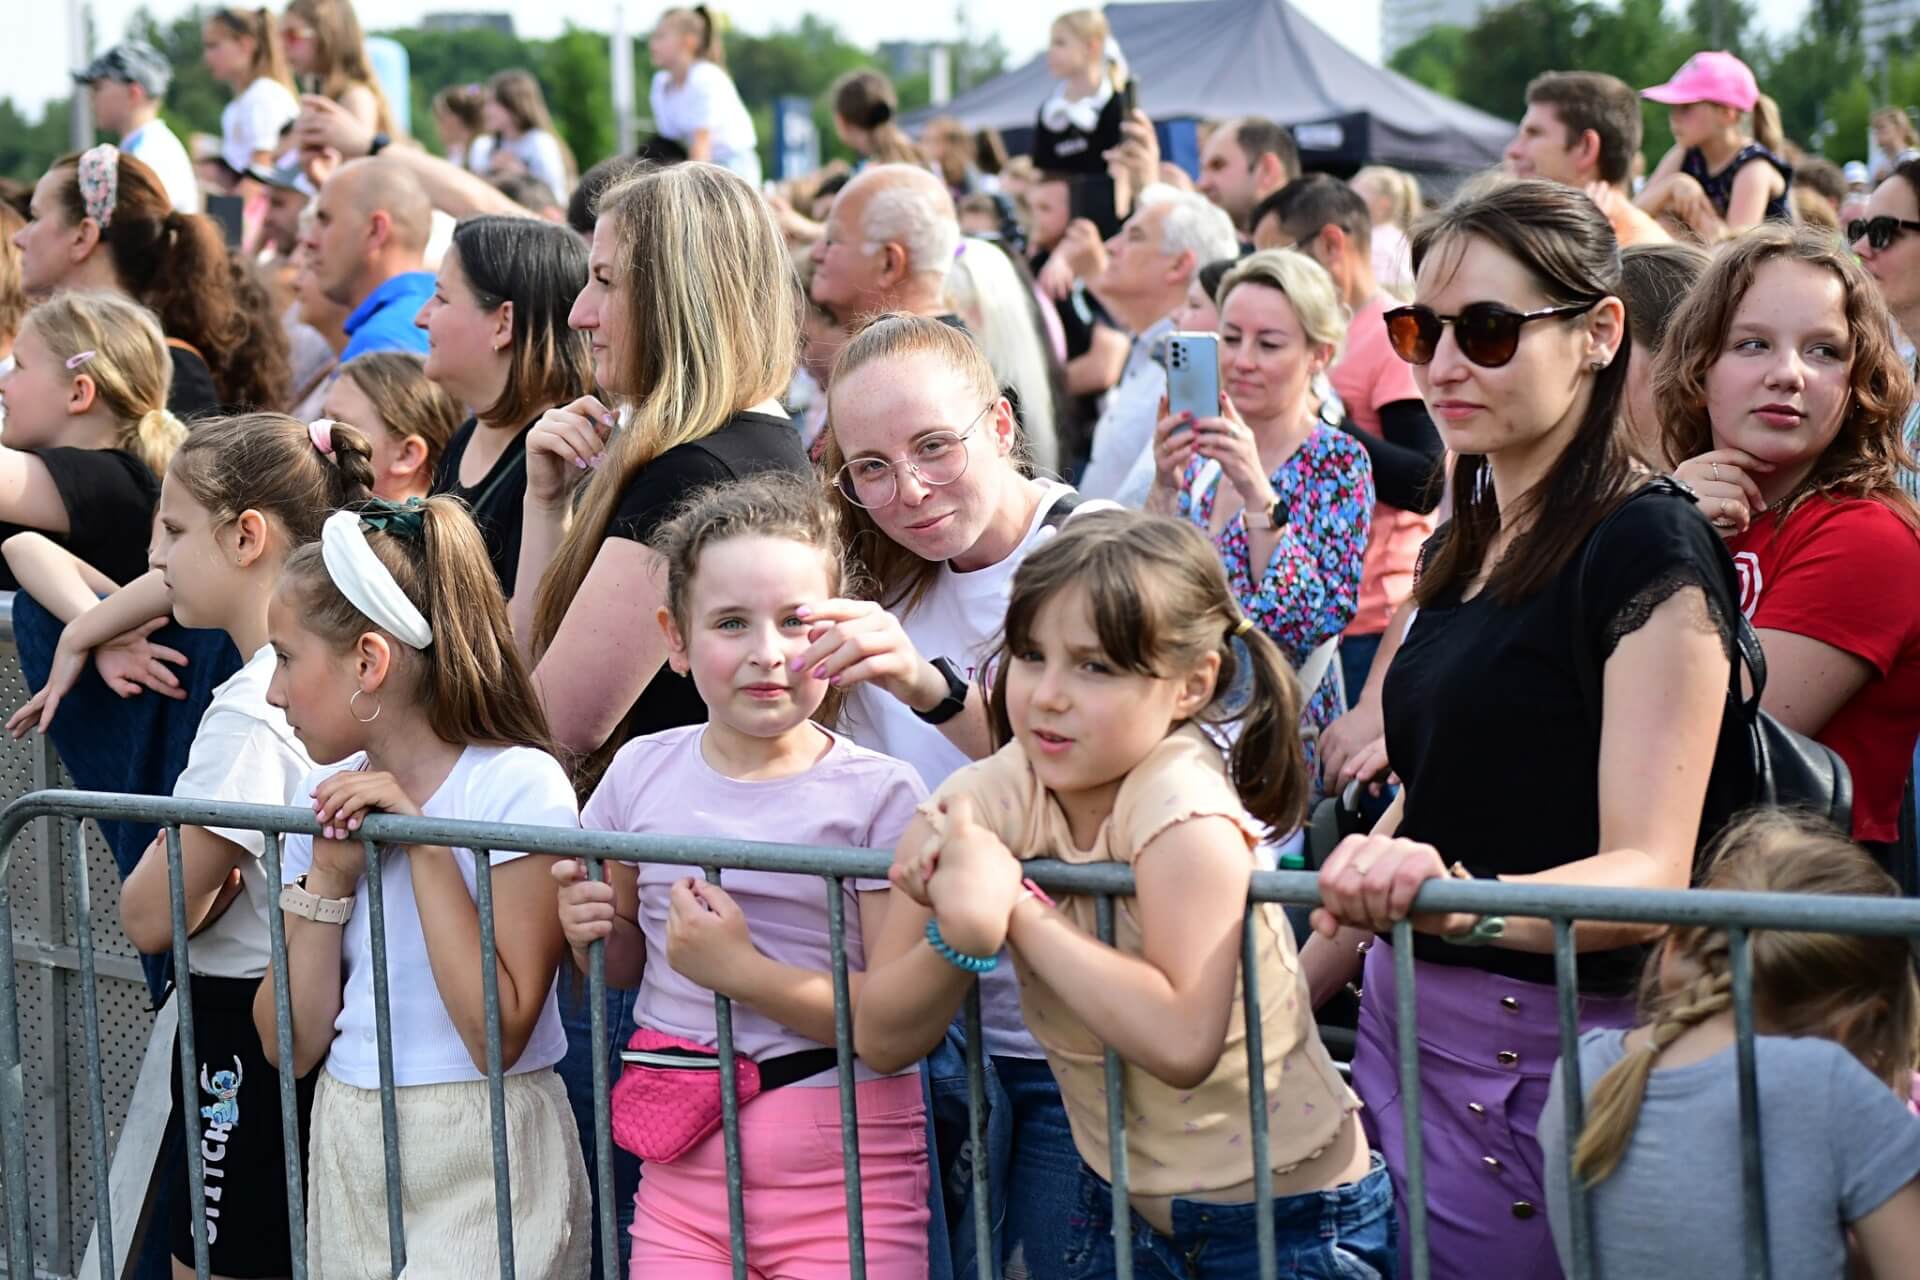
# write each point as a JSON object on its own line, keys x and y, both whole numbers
{"x": 1211, "y": 59}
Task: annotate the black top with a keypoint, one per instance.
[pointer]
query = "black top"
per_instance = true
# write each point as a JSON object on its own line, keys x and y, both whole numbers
{"x": 191, "y": 394}
{"x": 749, "y": 443}
{"x": 498, "y": 501}
{"x": 1073, "y": 151}
{"x": 1719, "y": 186}
{"x": 1489, "y": 729}
{"x": 109, "y": 495}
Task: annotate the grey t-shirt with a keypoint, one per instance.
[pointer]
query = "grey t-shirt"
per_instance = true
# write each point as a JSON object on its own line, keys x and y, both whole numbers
{"x": 1836, "y": 1143}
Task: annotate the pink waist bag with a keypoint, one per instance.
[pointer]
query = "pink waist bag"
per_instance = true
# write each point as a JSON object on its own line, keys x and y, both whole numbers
{"x": 667, "y": 1100}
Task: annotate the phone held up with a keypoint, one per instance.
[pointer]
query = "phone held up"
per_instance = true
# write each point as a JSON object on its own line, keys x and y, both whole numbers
{"x": 1193, "y": 374}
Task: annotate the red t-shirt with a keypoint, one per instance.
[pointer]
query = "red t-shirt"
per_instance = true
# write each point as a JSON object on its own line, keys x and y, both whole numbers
{"x": 1848, "y": 575}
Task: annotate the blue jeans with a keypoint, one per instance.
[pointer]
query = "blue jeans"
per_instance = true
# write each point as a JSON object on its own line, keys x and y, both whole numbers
{"x": 576, "y": 1072}
{"x": 1347, "y": 1233}
{"x": 1356, "y": 659}
{"x": 1031, "y": 1166}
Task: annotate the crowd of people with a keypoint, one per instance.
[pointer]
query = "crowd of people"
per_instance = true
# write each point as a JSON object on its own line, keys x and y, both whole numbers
{"x": 869, "y": 513}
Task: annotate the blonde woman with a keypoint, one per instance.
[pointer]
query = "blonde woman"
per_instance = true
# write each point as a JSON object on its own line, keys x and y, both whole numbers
{"x": 1286, "y": 498}
{"x": 694, "y": 319}
{"x": 88, "y": 432}
{"x": 1393, "y": 201}
{"x": 997, "y": 300}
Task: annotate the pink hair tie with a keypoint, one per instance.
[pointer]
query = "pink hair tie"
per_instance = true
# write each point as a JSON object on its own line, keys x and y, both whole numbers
{"x": 321, "y": 433}
{"x": 79, "y": 358}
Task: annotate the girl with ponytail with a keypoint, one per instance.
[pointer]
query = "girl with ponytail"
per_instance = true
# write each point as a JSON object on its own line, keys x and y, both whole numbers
{"x": 1836, "y": 1017}
{"x": 88, "y": 434}
{"x": 865, "y": 117}
{"x": 694, "y": 100}
{"x": 395, "y": 658}
{"x": 101, "y": 220}
{"x": 1727, "y": 169}
{"x": 242, "y": 50}
{"x": 1126, "y": 661}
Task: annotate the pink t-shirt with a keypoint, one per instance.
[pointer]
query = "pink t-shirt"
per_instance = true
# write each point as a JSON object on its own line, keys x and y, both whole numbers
{"x": 661, "y": 783}
{"x": 1366, "y": 376}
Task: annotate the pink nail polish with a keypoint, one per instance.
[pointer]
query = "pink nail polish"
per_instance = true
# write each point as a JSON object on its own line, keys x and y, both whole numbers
{"x": 580, "y": 463}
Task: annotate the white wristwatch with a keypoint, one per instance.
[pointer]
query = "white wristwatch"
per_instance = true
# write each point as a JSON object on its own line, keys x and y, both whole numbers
{"x": 296, "y": 898}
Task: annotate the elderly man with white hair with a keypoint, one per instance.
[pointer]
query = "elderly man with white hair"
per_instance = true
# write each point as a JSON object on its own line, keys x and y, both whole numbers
{"x": 890, "y": 237}
{"x": 1171, "y": 235}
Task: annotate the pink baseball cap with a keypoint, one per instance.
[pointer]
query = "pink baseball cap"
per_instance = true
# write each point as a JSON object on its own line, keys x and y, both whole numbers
{"x": 1709, "y": 77}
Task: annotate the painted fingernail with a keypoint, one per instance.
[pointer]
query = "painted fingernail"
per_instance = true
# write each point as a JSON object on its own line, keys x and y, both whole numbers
{"x": 796, "y": 664}
{"x": 600, "y": 457}
{"x": 835, "y": 680}
{"x": 580, "y": 463}
{"x": 820, "y": 672}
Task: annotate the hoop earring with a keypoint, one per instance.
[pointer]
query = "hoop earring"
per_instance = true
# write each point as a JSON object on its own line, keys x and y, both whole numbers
{"x": 353, "y": 711}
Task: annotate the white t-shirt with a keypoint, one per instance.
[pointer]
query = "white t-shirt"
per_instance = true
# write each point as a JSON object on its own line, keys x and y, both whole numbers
{"x": 473, "y": 155}
{"x": 707, "y": 100}
{"x": 539, "y": 151}
{"x": 251, "y": 123}
{"x": 245, "y": 753}
{"x": 157, "y": 147}
{"x": 958, "y": 619}
{"x": 488, "y": 784}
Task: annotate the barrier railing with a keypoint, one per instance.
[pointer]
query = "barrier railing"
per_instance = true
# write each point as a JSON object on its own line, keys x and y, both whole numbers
{"x": 1740, "y": 914}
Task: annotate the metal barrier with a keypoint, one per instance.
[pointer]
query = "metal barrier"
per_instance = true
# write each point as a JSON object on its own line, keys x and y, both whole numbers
{"x": 1738, "y": 913}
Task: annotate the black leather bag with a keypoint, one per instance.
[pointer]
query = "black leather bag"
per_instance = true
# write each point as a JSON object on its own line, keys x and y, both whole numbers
{"x": 1759, "y": 761}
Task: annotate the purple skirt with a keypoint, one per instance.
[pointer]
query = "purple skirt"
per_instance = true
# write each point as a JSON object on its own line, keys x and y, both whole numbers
{"x": 1487, "y": 1048}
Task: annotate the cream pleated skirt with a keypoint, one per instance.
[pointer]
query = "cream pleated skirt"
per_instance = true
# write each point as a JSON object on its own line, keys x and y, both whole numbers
{"x": 446, "y": 1176}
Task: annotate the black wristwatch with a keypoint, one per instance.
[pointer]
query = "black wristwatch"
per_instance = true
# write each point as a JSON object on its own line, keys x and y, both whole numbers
{"x": 956, "y": 700}
{"x": 380, "y": 143}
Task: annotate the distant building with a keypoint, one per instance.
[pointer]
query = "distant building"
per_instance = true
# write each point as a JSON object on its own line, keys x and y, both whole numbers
{"x": 1404, "y": 21}
{"x": 1882, "y": 20}
{"x": 475, "y": 21}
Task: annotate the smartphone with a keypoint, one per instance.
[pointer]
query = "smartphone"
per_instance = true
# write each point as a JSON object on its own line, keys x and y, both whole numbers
{"x": 1129, "y": 97}
{"x": 1193, "y": 374}
{"x": 230, "y": 213}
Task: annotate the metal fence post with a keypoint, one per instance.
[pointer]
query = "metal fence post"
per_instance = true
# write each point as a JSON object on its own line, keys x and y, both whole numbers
{"x": 843, "y": 1055}
{"x": 1257, "y": 1093}
{"x": 189, "y": 1056}
{"x": 1409, "y": 1037}
{"x": 383, "y": 1046}
{"x": 291, "y": 1146}
{"x": 1752, "y": 1169}
{"x": 602, "y": 1094}
{"x": 1116, "y": 1124}
{"x": 96, "y": 1077}
{"x": 977, "y": 1134}
{"x": 496, "y": 1078}
{"x": 1573, "y": 1100}
{"x": 730, "y": 1123}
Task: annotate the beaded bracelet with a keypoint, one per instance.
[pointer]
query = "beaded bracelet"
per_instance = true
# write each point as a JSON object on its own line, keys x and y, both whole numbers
{"x": 959, "y": 960}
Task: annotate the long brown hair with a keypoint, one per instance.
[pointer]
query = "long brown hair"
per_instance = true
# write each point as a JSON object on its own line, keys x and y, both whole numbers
{"x": 126, "y": 358}
{"x": 176, "y": 264}
{"x": 519, "y": 93}
{"x": 470, "y": 680}
{"x": 900, "y": 579}
{"x": 13, "y": 298}
{"x": 1857, "y": 989}
{"x": 1564, "y": 243}
{"x": 1866, "y": 458}
{"x": 540, "y": 267}
{"x": 1160, "y": 603}
{"x": 340, "y": 52}
{"x": 261, "y": 27}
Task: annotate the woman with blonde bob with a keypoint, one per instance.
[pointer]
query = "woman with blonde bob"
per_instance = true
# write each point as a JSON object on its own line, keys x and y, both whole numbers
{"x": 1782, "y": 390}
{"x": 1286, "y": 498}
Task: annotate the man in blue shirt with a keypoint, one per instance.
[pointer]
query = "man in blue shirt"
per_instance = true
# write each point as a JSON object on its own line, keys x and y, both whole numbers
{"x": 369, "y": 232}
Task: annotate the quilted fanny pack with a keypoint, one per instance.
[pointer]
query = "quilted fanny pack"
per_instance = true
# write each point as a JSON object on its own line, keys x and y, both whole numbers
{"x": 668, "y": 1097}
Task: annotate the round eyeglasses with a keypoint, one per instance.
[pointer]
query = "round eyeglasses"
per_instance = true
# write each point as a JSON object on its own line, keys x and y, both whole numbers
{"x": 938, "y": 458}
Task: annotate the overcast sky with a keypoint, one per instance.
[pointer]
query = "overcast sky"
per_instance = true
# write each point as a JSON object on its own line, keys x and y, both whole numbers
{"x": 37, "y": 57}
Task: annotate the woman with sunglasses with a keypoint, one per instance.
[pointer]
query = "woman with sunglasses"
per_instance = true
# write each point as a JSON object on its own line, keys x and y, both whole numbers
{"x": 927, "y": 467}
{"x": 1286, "y": 498}
{"x": 1782, "y": 389}
{"x": 1514, "y": 768}
{"x": 1889, "y": 249}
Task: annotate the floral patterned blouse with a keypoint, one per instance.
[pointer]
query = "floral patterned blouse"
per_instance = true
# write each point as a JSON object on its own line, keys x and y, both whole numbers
{"x": 1308, "y": 591}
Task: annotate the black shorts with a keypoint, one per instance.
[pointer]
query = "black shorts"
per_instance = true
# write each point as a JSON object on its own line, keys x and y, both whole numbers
{"x": 240, "y": 1139}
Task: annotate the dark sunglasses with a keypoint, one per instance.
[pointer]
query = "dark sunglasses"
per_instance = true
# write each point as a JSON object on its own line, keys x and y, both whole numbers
{"x": 1878, "y": 232}
{"x": 1487, "y": 332}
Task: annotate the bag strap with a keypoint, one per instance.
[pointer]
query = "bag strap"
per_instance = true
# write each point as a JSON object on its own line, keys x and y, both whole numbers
{"x": 1062, "y": 508}
{"x": 790, "y": 1068}
{"x": 1314, "y": 669}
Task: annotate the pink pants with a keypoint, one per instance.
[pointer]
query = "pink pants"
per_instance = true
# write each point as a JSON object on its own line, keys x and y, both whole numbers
{"x": 795, "y": 1199}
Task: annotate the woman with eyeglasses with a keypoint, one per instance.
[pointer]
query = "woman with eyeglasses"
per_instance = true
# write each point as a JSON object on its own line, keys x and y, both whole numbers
{"x": 1553, "y": 566}
{"x": 1286, "y": 498}
{"x": 1889, "y": 249}
{"x": 1781, "y": 387}
{"x": 925, "y": 456}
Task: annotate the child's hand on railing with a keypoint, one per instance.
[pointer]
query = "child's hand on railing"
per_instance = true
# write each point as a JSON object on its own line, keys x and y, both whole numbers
{"x": 707, "y": 938}
{"x": 586, "y": 906}
{"x": 978, "y": 882}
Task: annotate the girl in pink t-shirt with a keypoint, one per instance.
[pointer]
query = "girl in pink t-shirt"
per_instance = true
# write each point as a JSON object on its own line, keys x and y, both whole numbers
{"x": 743, "y": 563}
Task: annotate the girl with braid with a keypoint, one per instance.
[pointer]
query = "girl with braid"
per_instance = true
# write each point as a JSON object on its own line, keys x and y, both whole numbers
{"x": 1836, "y": 1018}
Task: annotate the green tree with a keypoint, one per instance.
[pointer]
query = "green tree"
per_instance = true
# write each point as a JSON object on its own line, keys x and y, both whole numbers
{"x": 1435, "y": 59}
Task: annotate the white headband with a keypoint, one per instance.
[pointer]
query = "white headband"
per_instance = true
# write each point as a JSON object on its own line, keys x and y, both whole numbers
{"x": 367, "y": 583}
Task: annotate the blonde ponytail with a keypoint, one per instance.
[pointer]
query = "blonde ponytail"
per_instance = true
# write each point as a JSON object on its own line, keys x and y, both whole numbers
{"x": 1767, "y": 130}
{"x": 1613, "y": 1108}
{"x": 155, "y": 437}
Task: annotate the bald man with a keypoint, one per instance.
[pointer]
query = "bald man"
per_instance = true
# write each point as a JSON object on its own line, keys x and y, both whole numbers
{"x": 366, "y": 244}
{"x": 891, "y": 235}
